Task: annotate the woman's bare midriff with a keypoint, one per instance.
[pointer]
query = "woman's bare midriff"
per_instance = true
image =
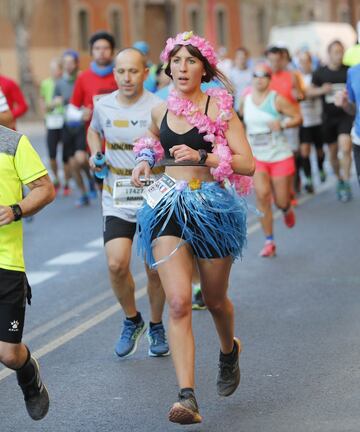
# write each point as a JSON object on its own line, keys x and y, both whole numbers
{"x": 189, "y": 172}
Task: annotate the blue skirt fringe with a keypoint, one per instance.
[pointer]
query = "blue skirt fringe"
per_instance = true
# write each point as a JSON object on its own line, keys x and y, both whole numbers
{"x": 218, "y": 214}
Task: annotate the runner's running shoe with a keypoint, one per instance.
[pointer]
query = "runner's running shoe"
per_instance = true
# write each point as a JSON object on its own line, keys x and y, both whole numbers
{"x": 129, "y": 339}
{"x": 66, "y": 191}
{"x": 198, "y": 301}
{"x": 83, "y": 201}
{"x": 36, "y": 395}
{"x": 322, "y": 175}
{"x": 57, "y": 186}
{"x": 158, "y": 345}
{"x": 309, "y": 187}
{"x": 289, "y": 218}
{"x": 269, "y": 250}
{"x": 343, "y": 191}
{"x": 186, "y": 410}
{"x": 228, "y": 378}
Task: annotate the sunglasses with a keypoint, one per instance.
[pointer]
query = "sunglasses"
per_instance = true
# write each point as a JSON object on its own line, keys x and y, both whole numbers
{"x": 261, "y": 74}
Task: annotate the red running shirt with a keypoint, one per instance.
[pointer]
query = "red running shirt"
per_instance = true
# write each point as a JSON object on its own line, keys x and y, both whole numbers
{"x": 283, "y": 83}
{"x": 14, "y": 96}
{"x": 88, "y": 86}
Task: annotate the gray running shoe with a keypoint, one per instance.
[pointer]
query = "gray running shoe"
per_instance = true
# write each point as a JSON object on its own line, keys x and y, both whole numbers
{"x": 36, "y": 395}
{"x": 129, "y": 338}
{"x": 186, "y": 410}
{"x": 228, "y": 378}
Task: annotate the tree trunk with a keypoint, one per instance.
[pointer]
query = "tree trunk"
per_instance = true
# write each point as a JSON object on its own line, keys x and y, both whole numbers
{"x": 24, "y": 66}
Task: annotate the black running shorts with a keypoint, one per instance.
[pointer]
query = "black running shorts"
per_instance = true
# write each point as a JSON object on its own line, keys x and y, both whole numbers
{"x": 14, "y": 291}
{"x": 312, "y": 135}
{"x": 115, "y": 227}
{"x": 335, "y": 126}
{"x": 74, "y": 139}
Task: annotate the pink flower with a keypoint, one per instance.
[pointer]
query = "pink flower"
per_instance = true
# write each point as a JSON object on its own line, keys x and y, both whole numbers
{"x": 151, "y": 144}
{"x": 188, "y": 38}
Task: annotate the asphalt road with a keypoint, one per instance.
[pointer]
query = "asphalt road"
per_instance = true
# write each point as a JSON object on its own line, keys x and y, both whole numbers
{"x": 298, "y": 316}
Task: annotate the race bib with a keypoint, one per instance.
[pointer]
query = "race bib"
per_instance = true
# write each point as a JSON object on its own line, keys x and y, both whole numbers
{"x": 156, "y": 191}
{"x": 54, "y": 121}
{"x": 330, "y": 98}
{"x": 260, "y": 140}
{"x": 126, "y": 195}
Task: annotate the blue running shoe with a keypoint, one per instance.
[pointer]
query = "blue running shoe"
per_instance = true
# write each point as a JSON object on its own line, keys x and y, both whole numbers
{"x": 92, "y": 194}
{"x": 158, "y": 345}
{"x": 129, "y": 339}
{"x": 83, "y": 201}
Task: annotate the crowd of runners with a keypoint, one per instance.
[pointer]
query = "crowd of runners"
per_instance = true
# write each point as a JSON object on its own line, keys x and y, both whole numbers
{"x": 193, "y": 129}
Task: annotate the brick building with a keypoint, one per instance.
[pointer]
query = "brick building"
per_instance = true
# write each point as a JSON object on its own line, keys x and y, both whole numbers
{"x": 60, "y": 24}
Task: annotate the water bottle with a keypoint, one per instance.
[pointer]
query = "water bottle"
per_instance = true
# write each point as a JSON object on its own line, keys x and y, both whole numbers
{"x": 100, "y": 161}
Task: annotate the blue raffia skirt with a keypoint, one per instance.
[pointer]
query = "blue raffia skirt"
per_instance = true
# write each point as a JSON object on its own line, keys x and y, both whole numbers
{"x": 211, "y": 219}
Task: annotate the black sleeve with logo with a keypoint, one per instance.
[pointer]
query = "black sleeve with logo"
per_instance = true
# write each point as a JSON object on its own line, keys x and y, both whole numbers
{"x": 338, "y": 79}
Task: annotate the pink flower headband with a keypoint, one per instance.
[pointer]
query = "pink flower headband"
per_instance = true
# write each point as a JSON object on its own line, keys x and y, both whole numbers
{"x": 188, "y": 38}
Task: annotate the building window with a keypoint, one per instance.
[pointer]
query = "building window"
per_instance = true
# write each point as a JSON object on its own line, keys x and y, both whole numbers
{"x": 261, "y": 24}
{"x": 221, "y": 27}
{"x": 115, "y": 21}
{"x": 83, "y": 22}
{"x": 194, "y": 20}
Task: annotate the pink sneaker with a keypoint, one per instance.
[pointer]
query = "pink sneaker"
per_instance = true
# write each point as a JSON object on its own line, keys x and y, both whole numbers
{"x": 289, "y": 218}
{"x": 269, "y": 250}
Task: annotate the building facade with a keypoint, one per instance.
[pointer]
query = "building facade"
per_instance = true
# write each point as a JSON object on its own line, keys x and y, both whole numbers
{"x": 56, "y": 25}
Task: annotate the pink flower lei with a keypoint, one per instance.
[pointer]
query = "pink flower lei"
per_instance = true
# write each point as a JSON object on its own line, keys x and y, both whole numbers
{"x": 188, "y": 38}
{"x": 215, "y": 133}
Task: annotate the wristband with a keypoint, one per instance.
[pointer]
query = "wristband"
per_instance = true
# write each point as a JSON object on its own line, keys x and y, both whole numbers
{"x": 203, "y": 156}
{"x": 17, "y": 212}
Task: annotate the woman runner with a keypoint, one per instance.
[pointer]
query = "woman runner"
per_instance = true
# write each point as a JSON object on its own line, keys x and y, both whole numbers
{"x": 200, "y": 213}
{"x": 263, "y": 111}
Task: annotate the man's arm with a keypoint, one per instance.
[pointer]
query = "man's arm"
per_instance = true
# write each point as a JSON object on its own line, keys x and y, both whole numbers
{"x": 41, "y": 193}
{"x": 20, "y": 106}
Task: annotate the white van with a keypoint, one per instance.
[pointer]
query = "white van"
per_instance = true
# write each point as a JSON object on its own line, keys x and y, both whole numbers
{"x": 314, "y": 36}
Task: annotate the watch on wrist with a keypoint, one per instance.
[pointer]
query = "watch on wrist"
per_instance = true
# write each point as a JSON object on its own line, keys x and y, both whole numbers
{"x": 203, "y": 156}
{"x": 17, "y": 212}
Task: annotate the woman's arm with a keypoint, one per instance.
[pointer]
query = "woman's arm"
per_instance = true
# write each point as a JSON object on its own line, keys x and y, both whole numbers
{"x": 143, "y": 169}
{"x": 243, "y": 161}
{"x": 290, "y": 110}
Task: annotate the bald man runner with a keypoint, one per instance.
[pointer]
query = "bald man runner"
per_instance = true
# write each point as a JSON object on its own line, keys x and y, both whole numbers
{"x": 122, "y": 117}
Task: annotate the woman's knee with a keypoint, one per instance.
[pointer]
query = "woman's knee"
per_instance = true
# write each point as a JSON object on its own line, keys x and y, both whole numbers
{"x": 118, "y": 266}
{"x": 179, "y": 307}
{"x": 263, "y": 196}
{"x": 216, "y": 305}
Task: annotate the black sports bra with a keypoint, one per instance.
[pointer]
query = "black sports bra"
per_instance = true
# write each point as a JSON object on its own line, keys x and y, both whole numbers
{"x": 191, "y": 138}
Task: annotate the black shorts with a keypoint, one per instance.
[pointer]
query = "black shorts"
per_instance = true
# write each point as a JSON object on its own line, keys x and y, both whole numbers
{"x": 335, "y": 126}
{"x": 74, "y": 139}
{"x": 311, "y": 135}
{"x": 14, "y": 291}
{"x": 53, "y": 138}
{"x": 115, "y": 227}
{"x": 173, "y": 229}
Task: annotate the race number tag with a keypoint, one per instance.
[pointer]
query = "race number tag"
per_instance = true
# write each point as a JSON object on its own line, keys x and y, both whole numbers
{"x": 126, "y": 195}
{"x": 156, "y": 191}
{"x": 54, "y": 121}
{"x": 260, "y": 140}
{"x": 339, "y": 87}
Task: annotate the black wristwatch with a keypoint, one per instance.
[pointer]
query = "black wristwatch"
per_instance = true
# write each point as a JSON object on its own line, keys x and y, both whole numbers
{"x": 16, "y": 209}
{"x": 203, "y": 156}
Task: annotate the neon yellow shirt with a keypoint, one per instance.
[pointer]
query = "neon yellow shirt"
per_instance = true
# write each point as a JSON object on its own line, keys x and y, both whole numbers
{"x": 19, "y": 165}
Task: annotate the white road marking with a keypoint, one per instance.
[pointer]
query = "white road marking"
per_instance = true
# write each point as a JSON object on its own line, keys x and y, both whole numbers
{"x": 36, "y": 277}
{"x": 45, "y": 328}
{"x": 72, "y": 258}
{"x": 97, "y": 243}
